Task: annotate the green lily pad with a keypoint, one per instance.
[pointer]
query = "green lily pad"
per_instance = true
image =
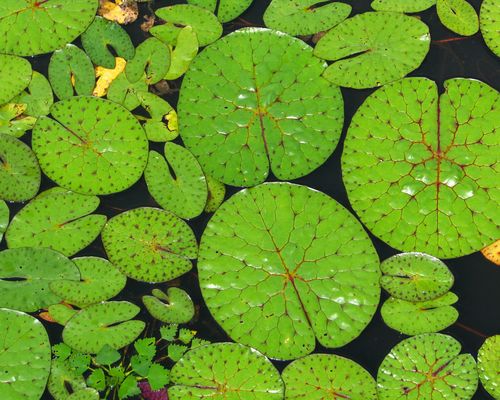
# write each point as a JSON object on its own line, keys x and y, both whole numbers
{"x": 304, "y": 17}
{"x": 64, "y": 380}
{"x": 415, "y": 276}
{"x": 24, "y": 356}
{"x": 186, "y": 49}
{"x": 427, "y": 366}
{"x": 256, "y": 100}
{"x": 227, "y": 10}
{"x": 420, "y": 171}
{"x": 174, "y": 307}
{"x": 162, "y": 124}
{"x": 15, "y": 74}
{"x": 61, "y": 313}
{"x": 489, "y": 18}
{"x": 57, "y": 219}
{"x": 149, "y": 244}
{"x": 13, "y": 121}
{"x": 458, "y": 16}
{"x": 37, "y": 97}
{"x": 107, "y": 323}
{"x": 422, "y": 316}
{"x": 103, "y": 34}
{"x": 92, "y": 146}
{"x": 84, "y": 394}
{"x": 30, "y": 27}
{"x": 151, "y": 56}
{"x": 67, "y": 64}
{"x": 123, "y": 92}
{"x": 100, "y": 281}
{"x": 4, "y": 218}
{"x": 19, "y": 171}
{"x": 405, "y": 6}
{"x": 216, "y": 194}
{"x": 177, "y": 184}
{"x": 373, "y": 49}
{"x": 282, "y": 266}
{"x": 488, "y": 364}
{"x": 328, "y": 376}
{"x": 225, "y": 371}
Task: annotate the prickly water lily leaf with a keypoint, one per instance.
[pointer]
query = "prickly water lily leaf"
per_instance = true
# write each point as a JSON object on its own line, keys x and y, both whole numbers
{"x": 427, "y": 366}
{"x": 227, "y": 10}
{"x": 123, "y": 92}
{"x": 492, "y": 252}
{"x": 225, "y": 371}
{"x": 489, "y": 19}
{"x": 281, "y": 266}
{"x": 255, "y": 100}
{"x": 458, "y": 16}
{"x": 415, "y": 276}
{"x": 174, "y": 307}
{"x": 24, "y": 356}
{"x": 4, "y": 218}
{"x": 327, "y": 376}
{"x": 107, "y": 323}
{"x": 92, "y": 146}
{"x": 186, "y": 49}
{"x": 177, "y": 184}
{"x": 304, "y": 17}
{"x": 488, "y": 364}
{"x": 151, "y": 56}
{"x": 162, "y": 125}
{"x": 15, "y": 74}
{"x": 405, "y": 6}
{"x": 61, "y": 313}
{"x": 37, "y": 96}
{"x": 106, "y": 76}
{"x": 19, "y": 171}
{"x": 420, "y": 170}
{"x": 373, "y": 49}
{"x": 149, "y": 244}
{"x": 64, "y": 380}
{"x": 216, "y": 194}
{"x": 57, "y": 219}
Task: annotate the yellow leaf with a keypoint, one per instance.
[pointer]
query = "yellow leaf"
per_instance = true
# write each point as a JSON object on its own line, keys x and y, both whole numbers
{"x": 171, "y": 118}
{"x": 120, "y": 11}
{"x": 106, "y": 76}
{"x": 492, "y": 252}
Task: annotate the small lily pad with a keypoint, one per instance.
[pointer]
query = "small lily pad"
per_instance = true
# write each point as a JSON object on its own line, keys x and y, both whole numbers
{"x": 227, "y": 10}
{"x": 225, "y": 371}
{"x": 61, "y": 313}
{"x": 149, "y": 244}
{"x": 13, "y": 121}
{"x": 405, "y": 6}
{"x": 216, "y": 194}
{"x": 162, "y": 124}
{"x": 186, "y": 49}
{"x": 123, "y": 92}
{"x": 458, "y": 16}
{"x": 488, "y": 364}
{"x": 64, "y": 380}
{"x": 174, "y": 307}
{"x": 151, "y": 56}
{"x": 37, "y": 97}
{"x": 4, "y": 218}
{"x": 490, "y": 24}
{"x": 107, "y": 323}
{"x": 15, "y": 75}
{"x": 84, "y": 394}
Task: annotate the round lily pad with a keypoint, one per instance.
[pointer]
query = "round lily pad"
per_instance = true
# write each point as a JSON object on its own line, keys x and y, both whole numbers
{"x": 64, "y": 380}
{"x": 99, "y": 281}
{"x": 57, "y": 219}
{"x": 327, "y": 376}
{"x": 24, "y": 356}
{"x": 227, "y": 10}
{"x": 37, "y": 97}
{"x": 373, "y": 49}
{"x": 256, "y": 100}
{"x": 427, "y": 366}
{"x": 216, "y": 194}
{"x": 177, "y": 184}
{"x": 488, "y": 364}
{"x": 149, "y": 244}
{"x": 151, "y": 56}
{"x": 225, "y": 371}
{"x": 30, "y": 27}
{"x": 107, "y": 323}
{"x": 19, "y": 171}
{"x": 4, "y": 218}
{"x": 420, "y": 170}
{"x": 174, "y": 307}
{"x": 282, "y": 266}
{"x": 458, "y": 16}
{"x": 15, "y": 75}
{"x": 405, "y": 6}
{"x": 490, "y": 24}
{"x": 415, "y": 276}
{"x": 186, "y": 49}
{"x": 92, "y": 146}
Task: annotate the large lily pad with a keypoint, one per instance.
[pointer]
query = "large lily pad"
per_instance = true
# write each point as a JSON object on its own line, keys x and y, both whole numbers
{"x": 37, "y": 97}
{"x": 57, "y": 219}
{"x": 149, "y": 244}
{"x": 24, "y": 356}
{"x": 15, "y": 75}
{"x": 490, "y": 24}
{"x": 328, "y": 376}
{"x": 405, "y": 6}
{"x": 458, "y": 16}
{"x": 174, "y": 307}
{"x": 255, "y": 100}
{"x": 107, "y": 323}
{"x": 373, "y": 49}
{"x": 4, "y": 218}
{"x": 92, "y": 146}
{"x": 226, "y": 10}
{"x": 225, "y": 371}
{"x": 425, "y": 367}
{"x": 31, "y": 27}
{"x": 151, "y": 56}
{"x": 488, "y": 364}
{"x": 421, "y": 172}
{"x": 282, "y": 266}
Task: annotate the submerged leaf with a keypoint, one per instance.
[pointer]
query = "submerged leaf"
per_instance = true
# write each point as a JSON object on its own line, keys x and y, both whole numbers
{"x": 186, "y": 49}
{"x": 458, "y": 16}
{"x": 105, "y": 77}
{"x": 151, "y": 56}
{"x": 174, "y": 307}
{"x": 488, "y": 364}
{"x": 227, "y": 10}
{"x": 15, "y": 74}
{"x": 490, "y": 24}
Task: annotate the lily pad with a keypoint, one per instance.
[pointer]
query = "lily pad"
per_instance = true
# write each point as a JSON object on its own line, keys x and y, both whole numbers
{"x": 216, "y": 194}
{"x": 92, "y": 146}
{"x": 186, "y": 49}
{"x": 61, "y": 313}
{"x": 57, "y": 219}
{"x": 490, "y": 24}
{"x": 488, "y": 364}
{"x": 225, "y": 371}
{"x": 123, "y": 92}
{"x": 162, "y": 124}
{"x": 405, "y": 6}
{"x": 107, "y": 323}
{"x": 37, "y": 97}
{"x": 24, "y": 356}
{"x": 84, "y": 394}
{"x": 427, "y": 366}
{"x": 415, "y": 276}
{"x": 420, "y": 171}
{"x": 174, "y": 307}
{"x": 13, "y": 121}
{"x": 282, "y": 265}
{"x": 19, "y": 171}
{"x": 227, "y": 10}
{"x": 151, "y": 56}
{"x": 304, "y": 17}
{"x": 149, "y": 244}
{"x": 177, "y": 184}
{"x": 15, "y": 74}
{"x": 256, "y": 100}
{"x": 458, "y": 16}
{"x": 373, "y": 49}
{"x": 64, "y": 380}
{"x": 4, "y": 218}
{"x": 328, "y": 376}
{"x": 100, "y": 281}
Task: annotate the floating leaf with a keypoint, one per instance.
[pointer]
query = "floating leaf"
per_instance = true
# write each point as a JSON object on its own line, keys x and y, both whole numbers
{"x": 227, "y": 10}
{"x": 92, "y": 146}
{"x": 162, "y": 124}
{"x": 373, "y": 49}
{"x": 491, "y": 252}
{"x": 64, "y": 380}
{"x": 15, "y": 74}
{"x": 328, "y": 376}
{"x": 216, "y": 194}
{"x": 281, "y": 266}
{"x": 61, "y": 313}
{"x": 405, "y": 6}
{"x": 107, "y": 323}
{"x": 151, "y": 56}
{"x": 427, "y": 366}
{"x": 175, "y": 307}
{"x": 458, "y": 16}
{"x": 106, "y": 76}
{"x": 97, "y": 379}
{"x": 488, "y": 364}
{"x": 4, "y": 218}
{"x": 84, "y": 394}
{"x": 490, "y": 24}
{"x": 120, "y": 11}
{"x": 12, "y": 120}
{"x": 123, "y": 92}
{"x": 38, "y": 96}
{"x": 420, "y": 171}
{"x": 185, "y": 51}
{"x": 222, "y": 371}
{"x": 149, "y": 244}
{"x": 255, "y": 100}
